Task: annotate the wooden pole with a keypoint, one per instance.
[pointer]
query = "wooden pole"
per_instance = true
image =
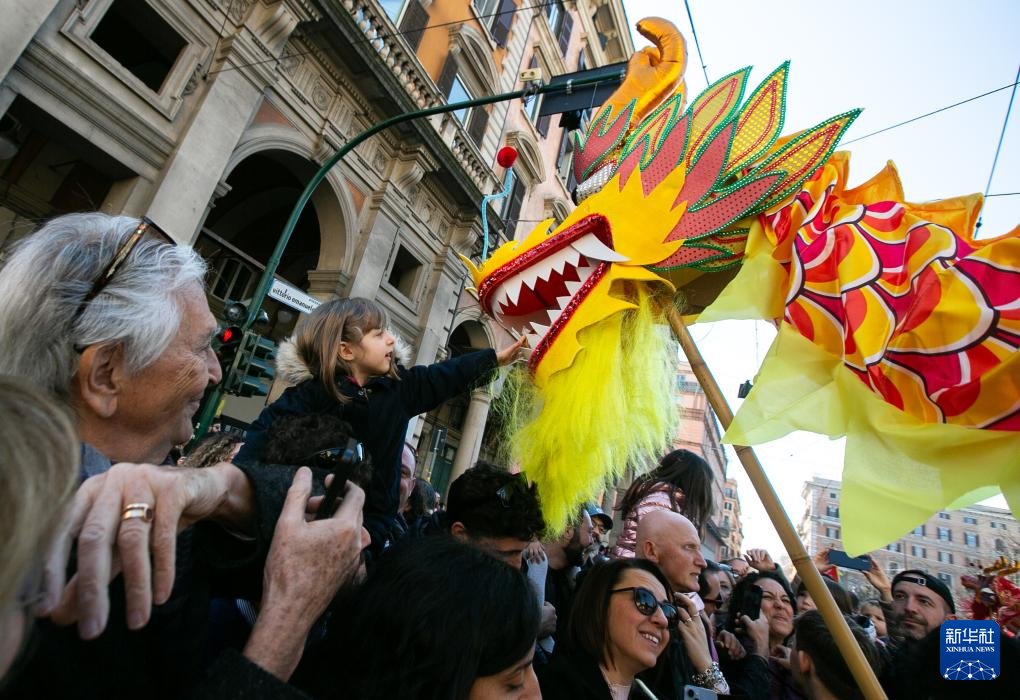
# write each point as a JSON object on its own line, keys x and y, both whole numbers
{"x": 862, "y": 671}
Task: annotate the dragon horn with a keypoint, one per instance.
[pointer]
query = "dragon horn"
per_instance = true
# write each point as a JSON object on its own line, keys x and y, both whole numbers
{"x": 654, "y": 73}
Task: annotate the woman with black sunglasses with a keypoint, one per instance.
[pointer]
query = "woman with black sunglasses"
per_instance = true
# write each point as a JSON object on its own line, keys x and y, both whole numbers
{"x": 618, "y": 627}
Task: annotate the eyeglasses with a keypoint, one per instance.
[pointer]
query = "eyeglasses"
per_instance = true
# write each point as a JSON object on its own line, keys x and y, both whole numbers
{"x": 644, "y": 601}
{"x": 506, "y": 492}
{"x": 330, "y": 457}
{"x": 122, "y": 254}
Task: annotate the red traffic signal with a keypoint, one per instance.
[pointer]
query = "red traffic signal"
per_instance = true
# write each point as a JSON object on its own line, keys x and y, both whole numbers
{"x": 228, "y": 334}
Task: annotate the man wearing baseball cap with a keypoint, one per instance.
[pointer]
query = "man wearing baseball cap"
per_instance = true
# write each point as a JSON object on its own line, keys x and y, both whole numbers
{"x": 921, "y": 603}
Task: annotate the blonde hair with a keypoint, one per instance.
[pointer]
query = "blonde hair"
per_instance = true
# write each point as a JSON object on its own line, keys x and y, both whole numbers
{"x": 317, "y": 338}
{"x": 39, "y": 454}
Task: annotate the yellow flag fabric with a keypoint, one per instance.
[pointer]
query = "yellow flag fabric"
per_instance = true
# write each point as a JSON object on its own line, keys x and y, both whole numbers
{"x": 900, "y": 331}
{"x": 898, "y": 471}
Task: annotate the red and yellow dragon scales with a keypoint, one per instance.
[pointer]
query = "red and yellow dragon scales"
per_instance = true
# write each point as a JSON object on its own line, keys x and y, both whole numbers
{"x": 896, "y": 327}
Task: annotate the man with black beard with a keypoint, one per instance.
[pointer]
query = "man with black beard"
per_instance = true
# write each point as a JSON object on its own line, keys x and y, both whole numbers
{"x": 565, "y": 554}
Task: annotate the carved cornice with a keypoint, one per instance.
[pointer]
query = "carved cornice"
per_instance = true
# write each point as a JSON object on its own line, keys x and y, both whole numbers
{"x": 54, "y": 74}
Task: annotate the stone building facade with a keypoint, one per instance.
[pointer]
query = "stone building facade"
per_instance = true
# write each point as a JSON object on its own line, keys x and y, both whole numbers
{"x": 699, "y": 431}
{"x": 211, "y": 116}
{"x": 949, "y": 545}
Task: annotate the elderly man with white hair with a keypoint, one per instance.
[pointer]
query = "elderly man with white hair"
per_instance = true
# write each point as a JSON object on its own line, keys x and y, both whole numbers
{"x": 109, "y": 315}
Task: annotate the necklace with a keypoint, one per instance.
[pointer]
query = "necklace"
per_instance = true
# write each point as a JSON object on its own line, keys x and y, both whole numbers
{"x": 619, "y": 691}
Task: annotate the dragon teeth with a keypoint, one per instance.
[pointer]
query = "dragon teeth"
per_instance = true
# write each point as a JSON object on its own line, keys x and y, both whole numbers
{"x": 573, "y": 287}
{"x": 539, "y": 329}
{"x": 591, "y": 247}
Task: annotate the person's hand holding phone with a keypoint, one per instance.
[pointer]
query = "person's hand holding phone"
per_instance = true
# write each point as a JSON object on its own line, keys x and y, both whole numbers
{"x": 757, "y": 631}
{"x": 308, "y": 561}
{"x": 877, "y": 578}
{"x": 692, "y": 632}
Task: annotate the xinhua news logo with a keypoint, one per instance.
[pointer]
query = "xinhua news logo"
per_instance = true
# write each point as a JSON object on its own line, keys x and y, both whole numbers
{"x": 970, "y": 650}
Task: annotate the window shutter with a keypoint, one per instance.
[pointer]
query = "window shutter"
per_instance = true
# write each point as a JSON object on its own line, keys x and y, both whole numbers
{"x": 513, "y": 207}
{"x": 502, "y": 21}
{"x": 543, "y": 125}
{"x": 446, "y": 76}
{"x": 566, "y": 27}
{"x": 477, "y": 122}
{"x": 412, "y": 26}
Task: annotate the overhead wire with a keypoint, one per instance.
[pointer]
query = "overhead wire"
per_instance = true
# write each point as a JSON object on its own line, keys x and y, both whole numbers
{"x": 928, "y": 114}
{"x": 1002, "y": 134}
{"x": 697, "y": 45}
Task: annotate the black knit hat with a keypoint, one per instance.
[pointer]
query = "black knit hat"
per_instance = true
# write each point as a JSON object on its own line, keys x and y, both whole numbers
{"x": 925, "y": 579}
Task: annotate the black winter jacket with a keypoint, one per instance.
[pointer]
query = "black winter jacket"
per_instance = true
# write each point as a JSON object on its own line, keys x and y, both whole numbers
{"x": 379, "y": 413}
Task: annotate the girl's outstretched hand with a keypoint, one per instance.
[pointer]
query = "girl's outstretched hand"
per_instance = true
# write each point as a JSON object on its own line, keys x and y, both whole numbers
{"x": 509, "y": 353}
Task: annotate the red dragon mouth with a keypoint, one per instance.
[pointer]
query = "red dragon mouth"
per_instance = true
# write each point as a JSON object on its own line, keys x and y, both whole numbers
{"x": 537, "y": 292}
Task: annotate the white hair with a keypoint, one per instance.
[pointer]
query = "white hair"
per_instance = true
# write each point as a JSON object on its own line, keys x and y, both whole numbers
{"x": 51, "y": 272}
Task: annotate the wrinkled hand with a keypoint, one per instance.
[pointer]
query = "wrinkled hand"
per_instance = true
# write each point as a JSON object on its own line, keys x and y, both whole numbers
{"x": 534, "y": 553}
{"x": 728, "y": 642}
{"x": 509, "y": 354}
{"x": 655, "y": 72}
{"x": 758, "y": 631}
{"x": 877, "y": 578}
{"x": 760, "y": 559}
{"x": 308, "y": 562}
{"x": 693, "y": 633}
{"x": 146, "y": 552}
{"x": 547, "y": 627}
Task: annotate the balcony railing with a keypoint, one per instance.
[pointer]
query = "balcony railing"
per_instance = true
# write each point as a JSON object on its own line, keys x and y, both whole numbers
{"x": 384, "y": 37}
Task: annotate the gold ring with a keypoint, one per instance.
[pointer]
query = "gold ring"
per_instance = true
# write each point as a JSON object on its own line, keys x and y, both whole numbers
{"x": 137, "y": 510}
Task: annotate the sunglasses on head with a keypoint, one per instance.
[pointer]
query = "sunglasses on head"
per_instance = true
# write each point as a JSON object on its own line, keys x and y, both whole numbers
{"x": 331, "y": 457}
{"x": 517, "y": 484}
{"x": 646, "y": 604}
{"x": 146, "y": 225}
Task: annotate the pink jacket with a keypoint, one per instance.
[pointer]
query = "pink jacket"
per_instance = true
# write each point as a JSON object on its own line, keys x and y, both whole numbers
{"x": 657, "y": 497}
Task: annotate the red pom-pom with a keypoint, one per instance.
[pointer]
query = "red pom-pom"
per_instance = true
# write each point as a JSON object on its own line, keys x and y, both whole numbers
{"x": 506, "y": 156}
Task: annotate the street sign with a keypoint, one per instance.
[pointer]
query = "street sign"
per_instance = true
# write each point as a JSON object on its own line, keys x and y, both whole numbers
{"x": 292, "y": 296}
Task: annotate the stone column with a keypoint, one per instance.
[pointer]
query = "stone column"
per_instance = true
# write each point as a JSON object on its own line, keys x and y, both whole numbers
{"x": 21, "y": 22}
{"x": 471, "y": 433}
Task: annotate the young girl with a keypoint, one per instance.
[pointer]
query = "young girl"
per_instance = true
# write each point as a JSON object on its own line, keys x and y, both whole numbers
{"x": 682, "y": 483}
{"x": 346, "y": 366}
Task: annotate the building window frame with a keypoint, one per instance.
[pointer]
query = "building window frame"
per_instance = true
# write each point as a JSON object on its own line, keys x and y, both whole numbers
{"x": 81, "y": 24}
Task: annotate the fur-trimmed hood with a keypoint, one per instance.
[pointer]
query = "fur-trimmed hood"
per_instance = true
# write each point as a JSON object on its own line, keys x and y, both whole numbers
{"x": 292, "y": 368}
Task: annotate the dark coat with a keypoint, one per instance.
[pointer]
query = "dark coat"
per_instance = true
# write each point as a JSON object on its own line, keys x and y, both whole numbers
{"x": 378, "y": 413}
{"x": 575, "y": 677}
{"x": 164, "y": 659}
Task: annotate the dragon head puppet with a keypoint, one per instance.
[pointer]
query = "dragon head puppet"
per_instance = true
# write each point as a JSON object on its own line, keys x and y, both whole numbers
{"x": 673, "y": 199}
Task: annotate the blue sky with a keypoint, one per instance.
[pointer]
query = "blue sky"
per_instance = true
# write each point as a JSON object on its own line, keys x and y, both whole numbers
{"x": 896, "y": 60}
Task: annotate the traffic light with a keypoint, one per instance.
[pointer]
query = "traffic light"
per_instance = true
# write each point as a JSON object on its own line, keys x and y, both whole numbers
{"x": 227, "y": 341}
{"x": 253, "y": 371}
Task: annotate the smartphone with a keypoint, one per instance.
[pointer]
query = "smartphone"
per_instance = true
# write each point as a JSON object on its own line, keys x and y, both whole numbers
{"x": 844, "y": 561}
{"x": 699, "y": 604}
{"x": 751, "y": 605}
{"x": 341, "y": 463}
{"x": 694, "y": 692}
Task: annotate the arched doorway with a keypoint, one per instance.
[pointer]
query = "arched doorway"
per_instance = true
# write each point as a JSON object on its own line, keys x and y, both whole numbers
{"x": 242, "y": 229}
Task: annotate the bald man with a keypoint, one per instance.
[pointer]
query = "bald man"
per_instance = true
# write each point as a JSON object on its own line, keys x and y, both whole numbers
{"x": 671, "y": 541}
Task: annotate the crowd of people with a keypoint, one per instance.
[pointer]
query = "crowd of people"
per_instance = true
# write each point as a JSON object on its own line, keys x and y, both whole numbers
{"x": 228, "y": 573}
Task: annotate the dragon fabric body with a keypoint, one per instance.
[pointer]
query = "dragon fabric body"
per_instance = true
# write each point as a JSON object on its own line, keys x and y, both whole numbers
{"x": 897, "y": 328}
